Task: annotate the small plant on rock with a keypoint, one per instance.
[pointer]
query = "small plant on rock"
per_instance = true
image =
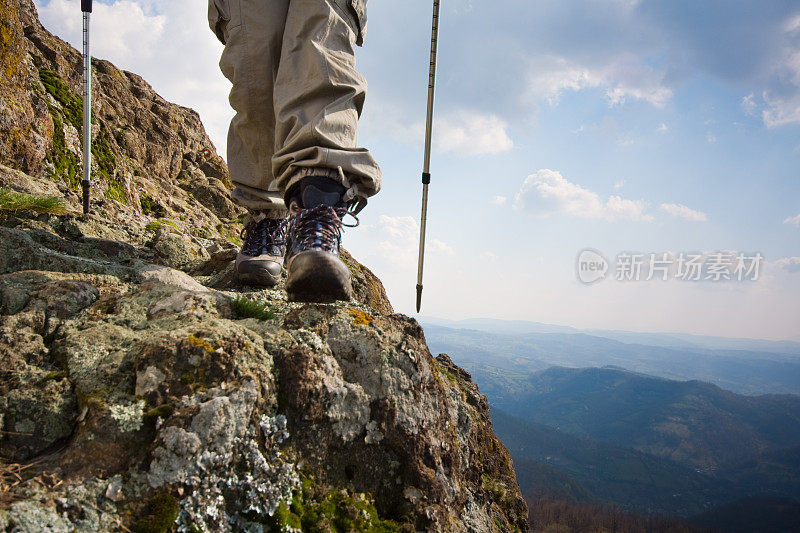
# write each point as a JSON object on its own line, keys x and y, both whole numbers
{"x": 11, "y": 202}
{"x": 244, "y": 307}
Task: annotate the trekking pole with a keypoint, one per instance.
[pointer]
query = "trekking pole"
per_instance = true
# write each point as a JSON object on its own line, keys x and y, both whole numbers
{"x": 426, "y": 168}
{"x": 86, "y": 8}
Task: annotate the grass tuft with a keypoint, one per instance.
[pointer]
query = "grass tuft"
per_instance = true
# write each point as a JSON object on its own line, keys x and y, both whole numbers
{"x": 11, "y": 202}
{"x": 244, "y": 307}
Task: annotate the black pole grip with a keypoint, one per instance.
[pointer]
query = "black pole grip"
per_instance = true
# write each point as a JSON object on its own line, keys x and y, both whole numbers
{"x": 86, "y": 191}
{"x": 426, "y": 178}
{"x": 86, "y": 6}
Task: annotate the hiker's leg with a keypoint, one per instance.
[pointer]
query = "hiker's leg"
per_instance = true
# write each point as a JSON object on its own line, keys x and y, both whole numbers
{"x": 253, "y": 32}
{"x": 319, "y": 96}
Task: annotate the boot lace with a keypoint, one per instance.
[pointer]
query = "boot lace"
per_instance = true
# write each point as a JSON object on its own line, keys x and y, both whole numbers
{"x": 319, "y": 227}
{"x": 262, "y": 237}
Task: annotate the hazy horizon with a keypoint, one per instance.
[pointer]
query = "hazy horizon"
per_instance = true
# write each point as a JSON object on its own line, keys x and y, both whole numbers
{"x": 423, "y": 318}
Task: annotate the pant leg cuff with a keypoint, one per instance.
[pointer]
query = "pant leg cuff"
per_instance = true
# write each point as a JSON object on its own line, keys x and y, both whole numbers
{"x": 269, "y": 203}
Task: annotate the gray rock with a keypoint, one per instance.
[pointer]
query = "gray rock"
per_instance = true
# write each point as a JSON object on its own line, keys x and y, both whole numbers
{"x": 31, "y": 517}
{"x": 169, "y": 276}
{"x": 179, "y": 251}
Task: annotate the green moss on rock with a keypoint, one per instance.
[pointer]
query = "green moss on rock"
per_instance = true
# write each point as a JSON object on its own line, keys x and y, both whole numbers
{"x": 162, "y": 411}
{"x": 66, "y": 165}
{"x": 160, "y": 514}
{"x": 53, "y": 375}
{"x": 106, "y": 163}
{"x": 146, "y": 203}
{"x": 71, "y": 103}
{"x": 156, "y": 225}
{"x": 231, "y": 231}
{"x": 315, "y": 509}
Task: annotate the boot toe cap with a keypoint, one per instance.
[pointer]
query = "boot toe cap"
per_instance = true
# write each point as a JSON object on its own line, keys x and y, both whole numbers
{"x": 317, "y": 275}
{"x": 259, "y": 271}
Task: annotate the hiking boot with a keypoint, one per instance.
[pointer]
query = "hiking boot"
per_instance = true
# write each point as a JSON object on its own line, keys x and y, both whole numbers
{"x": 260, "y": 260}
{"x": 314, "y": 235}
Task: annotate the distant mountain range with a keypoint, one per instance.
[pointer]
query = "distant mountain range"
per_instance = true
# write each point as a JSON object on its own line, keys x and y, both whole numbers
{"x": 580, "y": 469}
{"x": 694, "y": 424}
{"x": 664, "y": 423}
{"x": 637, "y": 460}
{"x": 512, "y": 350}
{"x": 673, "y": 340}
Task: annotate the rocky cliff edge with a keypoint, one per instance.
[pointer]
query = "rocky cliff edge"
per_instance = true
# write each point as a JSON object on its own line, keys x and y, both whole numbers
{"x": 142, "y": 389}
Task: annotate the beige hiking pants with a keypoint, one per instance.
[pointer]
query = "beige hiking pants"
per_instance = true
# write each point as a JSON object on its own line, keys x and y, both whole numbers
{"x": 296, "y": 94}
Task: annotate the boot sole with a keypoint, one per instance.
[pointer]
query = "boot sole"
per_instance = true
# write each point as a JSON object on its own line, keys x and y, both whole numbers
{"x": 263, "y": 279}
{"x": 317, "y": 276}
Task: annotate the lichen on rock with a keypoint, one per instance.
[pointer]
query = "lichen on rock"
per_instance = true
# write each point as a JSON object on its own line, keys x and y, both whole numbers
{"x": 128, "y": 417}
{"x": 217, "y": 459}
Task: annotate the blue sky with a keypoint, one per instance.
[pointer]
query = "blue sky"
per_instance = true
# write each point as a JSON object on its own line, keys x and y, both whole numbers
{"x": 618, "y": 125}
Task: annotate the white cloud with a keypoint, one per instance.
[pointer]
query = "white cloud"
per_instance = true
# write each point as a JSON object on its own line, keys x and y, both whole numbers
{"x": 793, "y": 220}
{"x": 618, "y": 185}
{"x": 499, "y": 200}
{"x": 464, "y": 132}
{"x": 438, "y": 247}
{"x": 547, "y": 192}
{"x": 681, "y": 211}
{"x": 399, "y": 227}
{"x": 749, "y": 104}
{"x": 781, "y": 110}
{"x": 489, "y": 256}
{"x": 398, "y": 240}
{"x": 784, "y": 107}
{"x": 781, "y": 100}
{"x": 167, "y": 42}
{"x": 663, "y": 128}
{"x": 792, "y": 24}
{"x": 396, "y": 237}
{"x": 122, "y": 31}
{"x": 386, "y": 117}
{"x": 710, "y": 137}
{"x": 472, "y": 133}
{"x": 624, "y": 77}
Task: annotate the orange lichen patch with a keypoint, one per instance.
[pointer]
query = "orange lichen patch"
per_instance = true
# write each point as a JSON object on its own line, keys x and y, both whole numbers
{"x": 200, "y": 343}
{"x": 5, "y": 38}
{"x": 10, "y": 33}
{"x": 360, "y": 317}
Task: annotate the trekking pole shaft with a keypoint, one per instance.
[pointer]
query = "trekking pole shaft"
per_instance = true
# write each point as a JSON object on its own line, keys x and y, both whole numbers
{"x": 431, "y": 85}
{"x": 426, "y": 167}
{"x": 87, "y": 113}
